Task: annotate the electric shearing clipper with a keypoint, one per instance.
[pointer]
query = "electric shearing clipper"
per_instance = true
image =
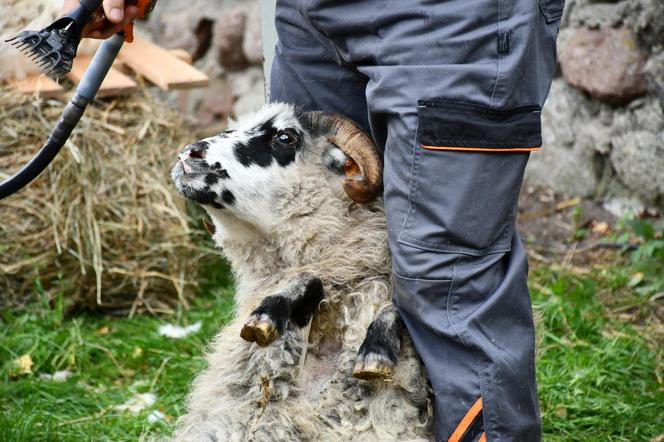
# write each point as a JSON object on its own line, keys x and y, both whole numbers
{"x": 54, "y": 47}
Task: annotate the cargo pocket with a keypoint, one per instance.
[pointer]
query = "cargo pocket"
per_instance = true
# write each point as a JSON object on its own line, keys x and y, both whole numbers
{"x": 467, "y": 167}
{"x": 425, "y": 299}
{"x": 552, "y": 9}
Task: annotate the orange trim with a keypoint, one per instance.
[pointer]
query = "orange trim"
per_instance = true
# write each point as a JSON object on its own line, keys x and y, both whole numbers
{"x": 466, "y": 421}
{"x": 485, "y": 149}
{"x": 482, "y": 438}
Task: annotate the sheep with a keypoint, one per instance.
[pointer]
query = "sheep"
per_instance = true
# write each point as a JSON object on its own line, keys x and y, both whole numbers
{"x": 315, "y": 352}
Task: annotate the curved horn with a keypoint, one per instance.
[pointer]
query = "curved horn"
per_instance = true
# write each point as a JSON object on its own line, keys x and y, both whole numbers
{"x": 364, "y": 172}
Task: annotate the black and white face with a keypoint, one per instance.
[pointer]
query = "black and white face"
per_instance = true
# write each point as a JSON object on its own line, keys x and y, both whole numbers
{"x": 244, "y": 169}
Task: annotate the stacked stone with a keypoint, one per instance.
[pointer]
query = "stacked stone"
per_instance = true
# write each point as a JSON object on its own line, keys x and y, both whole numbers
{"x": 224, "y": 40}
{"x": 603, "y": 125}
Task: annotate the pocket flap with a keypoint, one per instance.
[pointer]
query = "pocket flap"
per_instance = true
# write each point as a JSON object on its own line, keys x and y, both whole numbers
{"x": 448, "y": 125}
{"x": 552, "y": 9}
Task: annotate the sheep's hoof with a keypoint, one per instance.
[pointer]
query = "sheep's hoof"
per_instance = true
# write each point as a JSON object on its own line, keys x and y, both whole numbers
{"x": 261, "y": 331}
{"x": 373, "y": 369}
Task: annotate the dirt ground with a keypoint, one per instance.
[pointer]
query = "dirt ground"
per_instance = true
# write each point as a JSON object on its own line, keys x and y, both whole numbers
{"x": 560, "y": 228}
{"x": 562, "y": 232}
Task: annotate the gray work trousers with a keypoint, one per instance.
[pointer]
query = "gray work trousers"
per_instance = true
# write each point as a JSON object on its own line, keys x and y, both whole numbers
{"x": 451, "y": 90}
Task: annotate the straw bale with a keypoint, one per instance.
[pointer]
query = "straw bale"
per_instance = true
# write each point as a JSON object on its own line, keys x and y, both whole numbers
{"x": 102, "y": 225}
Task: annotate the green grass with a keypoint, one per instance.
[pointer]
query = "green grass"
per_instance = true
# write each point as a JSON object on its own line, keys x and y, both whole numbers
{"x": 597, "y": 372}
{"x": 598, "y": 378}
{"x": 112, "y": 359}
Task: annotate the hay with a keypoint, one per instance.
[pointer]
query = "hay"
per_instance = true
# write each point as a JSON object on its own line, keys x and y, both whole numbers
{"x": 102, "y": 225}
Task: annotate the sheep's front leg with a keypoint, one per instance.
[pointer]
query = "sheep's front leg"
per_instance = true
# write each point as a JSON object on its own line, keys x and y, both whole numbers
{"x": 296, "y": 303}
{"x": 379, "y": 352}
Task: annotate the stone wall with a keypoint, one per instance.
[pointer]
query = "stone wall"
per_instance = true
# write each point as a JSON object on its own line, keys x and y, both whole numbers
{"x": 224, "y": 40}
{"x": 603, "y": 125}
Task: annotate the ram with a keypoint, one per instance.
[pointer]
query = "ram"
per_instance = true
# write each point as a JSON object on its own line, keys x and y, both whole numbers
{"x": 315, "y": 352}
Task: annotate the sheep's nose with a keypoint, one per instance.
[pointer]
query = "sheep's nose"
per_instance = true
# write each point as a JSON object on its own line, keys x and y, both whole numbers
{"x": 192, "y": 151}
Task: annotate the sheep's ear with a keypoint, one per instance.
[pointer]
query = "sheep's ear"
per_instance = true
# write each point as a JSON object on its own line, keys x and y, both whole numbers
{"x": 351, "y": 168}
{"x": 334, "y": 158}
{"x": 356, "y": 144}
{"x": 336, "y": 161}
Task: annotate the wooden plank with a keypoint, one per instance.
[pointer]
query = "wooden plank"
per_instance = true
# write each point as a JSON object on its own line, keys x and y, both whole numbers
{"x": 161, "y": 67}
{"x": 115, "y": 83}
{"x": 38, "y": 84}
{"x": 182, "y": 55}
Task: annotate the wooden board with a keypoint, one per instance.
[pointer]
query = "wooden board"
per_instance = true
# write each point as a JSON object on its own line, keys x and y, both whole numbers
{"x": 39, "y": 84}
{"x": 115, "y": 83}
{"x": 168, "y": 69}
{"x": 182, "y": 55}
{"x": 160, "y": 67}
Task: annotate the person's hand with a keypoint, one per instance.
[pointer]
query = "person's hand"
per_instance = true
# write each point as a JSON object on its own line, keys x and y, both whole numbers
{"x": 117, "y": 16}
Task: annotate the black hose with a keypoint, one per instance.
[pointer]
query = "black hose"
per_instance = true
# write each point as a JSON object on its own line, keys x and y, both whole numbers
{"x": 85, "y": 93}
{"x": 70, "y": 117}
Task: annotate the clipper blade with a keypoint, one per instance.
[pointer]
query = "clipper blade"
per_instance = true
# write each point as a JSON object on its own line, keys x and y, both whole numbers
{"x": 53, "y": 48}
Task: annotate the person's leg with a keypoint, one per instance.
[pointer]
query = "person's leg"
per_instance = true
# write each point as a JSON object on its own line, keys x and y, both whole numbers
{"x": 454, "y": 96}
{"x": 460, "y": 285}
{"x": 306, "y": 70}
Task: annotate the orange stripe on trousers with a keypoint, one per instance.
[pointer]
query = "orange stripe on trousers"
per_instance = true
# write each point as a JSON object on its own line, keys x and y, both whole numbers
{"x": 466, "y": 421}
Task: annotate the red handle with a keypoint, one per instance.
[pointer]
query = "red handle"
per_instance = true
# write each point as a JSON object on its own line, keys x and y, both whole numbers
{"x": 98, "y": 19}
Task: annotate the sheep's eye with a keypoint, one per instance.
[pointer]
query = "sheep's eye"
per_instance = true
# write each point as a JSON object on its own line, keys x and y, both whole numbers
{"x": 285, "y": 138}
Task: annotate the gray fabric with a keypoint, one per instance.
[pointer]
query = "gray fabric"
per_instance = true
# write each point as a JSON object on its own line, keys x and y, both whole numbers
{"x": 459, "y": 267}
